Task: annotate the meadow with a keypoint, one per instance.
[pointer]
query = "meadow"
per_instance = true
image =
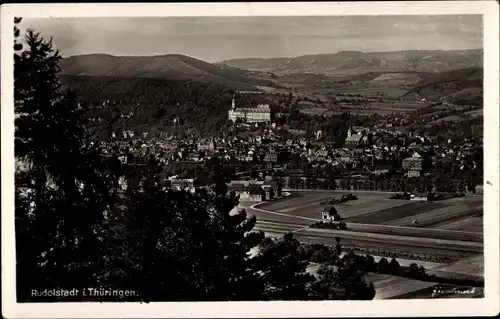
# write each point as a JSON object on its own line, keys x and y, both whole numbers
{"x": 467, "y": 267}
{"x": 389, "y": 286}
{"x": 375, "y": 208}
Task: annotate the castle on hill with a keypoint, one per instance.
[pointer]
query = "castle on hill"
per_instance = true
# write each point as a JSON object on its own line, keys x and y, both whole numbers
{"x": 259, "y": 114}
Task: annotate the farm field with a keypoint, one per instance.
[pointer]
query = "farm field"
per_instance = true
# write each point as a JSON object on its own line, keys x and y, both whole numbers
{"x": 458, "y": 214}
{"x": 388, "y": 286}
{"x": 470, "y": 224}
{"x": 314, "y": 111}
{"x": 310, "y": 204}
{"x": 472, "y": 266}
{"x": 264, "y": 217}
{"x": 437, "y": 216}
{"x": 398, "y": 78}
{"x": 385, "y": 215}
{"x": 377, "y": 222}
{"x": 370, "y": 90}
{"x": 393, "y": 287}
{"x": 451, "y": 118}
{"x": 417, "y": 232}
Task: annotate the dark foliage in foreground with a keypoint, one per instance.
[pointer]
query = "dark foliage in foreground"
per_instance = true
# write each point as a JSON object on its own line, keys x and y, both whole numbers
{"x": 75, "y": 228}
{"x": 62, "y": 188}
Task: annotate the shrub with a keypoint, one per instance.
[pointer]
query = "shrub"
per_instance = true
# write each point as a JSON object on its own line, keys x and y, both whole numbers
{"x": 393, "y": 265}
{"x": 383, "y": 265}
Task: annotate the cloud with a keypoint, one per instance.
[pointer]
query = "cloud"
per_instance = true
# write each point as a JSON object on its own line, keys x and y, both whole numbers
{"x": 219, "y": 38}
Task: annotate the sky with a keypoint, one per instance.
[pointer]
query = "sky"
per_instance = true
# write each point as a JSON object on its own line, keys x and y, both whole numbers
{"x": 214, "y": 39}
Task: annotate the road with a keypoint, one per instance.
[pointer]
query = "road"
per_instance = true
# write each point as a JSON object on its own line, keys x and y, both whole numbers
{"x": 361, "y": 239}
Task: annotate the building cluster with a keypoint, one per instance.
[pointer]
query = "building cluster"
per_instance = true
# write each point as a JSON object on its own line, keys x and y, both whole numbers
{"x": 259, "y": 114}
{"x": 255, "y": 190}
{"x": 377, "y": 149}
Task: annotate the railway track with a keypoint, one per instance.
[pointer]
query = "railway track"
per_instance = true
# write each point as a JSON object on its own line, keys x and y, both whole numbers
{"x": 393, "y": 243}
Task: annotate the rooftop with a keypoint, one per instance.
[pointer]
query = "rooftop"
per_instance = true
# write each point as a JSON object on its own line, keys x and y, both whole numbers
{"x": 330, "y": 209}
{"x": 354, "y": 138}
{"x": 260, "y": 109}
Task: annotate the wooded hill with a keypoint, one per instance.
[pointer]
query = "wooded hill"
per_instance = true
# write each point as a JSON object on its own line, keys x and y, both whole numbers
{"x": 136, "y": 103}
{"x": 172, "y": 66}
{"x": 362, "y": 62}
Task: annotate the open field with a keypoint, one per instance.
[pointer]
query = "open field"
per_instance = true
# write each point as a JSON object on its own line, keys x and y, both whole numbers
{"x": 473, "y": 266}
{"x": 375, "y": 106}
{"x": 295, "y": 214}
{"x": 398, "y": 78}
{"x": 370, "y": 89}
{"x": 271, "y": 221}
{"x": 417, "y": 232}
{"x": 393, "y": 287}
{"x": 310, "y": 204}
{"x": 470, "y": 224}
{"x": 391, "y": 213}
{"x": 438, "y": 216}
{"x": 376, "y": 208}
{"x": 468, "y": 246}
{"x": 388, "y": 286}
{"x": 451, "y": 118}
{"x": 413, "y": 248}
{"x": 314, "y": 111}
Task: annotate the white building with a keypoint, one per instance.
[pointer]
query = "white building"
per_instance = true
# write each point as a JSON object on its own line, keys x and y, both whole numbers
{"x": 259, "y": 114}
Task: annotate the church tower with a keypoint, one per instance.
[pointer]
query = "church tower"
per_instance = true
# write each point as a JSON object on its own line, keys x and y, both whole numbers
{"x": 233, "y": 102}
{"x": 349, "y": 131}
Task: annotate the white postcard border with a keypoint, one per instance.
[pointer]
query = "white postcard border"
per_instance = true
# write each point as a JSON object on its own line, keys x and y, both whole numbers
{"x": 440, "y": 307}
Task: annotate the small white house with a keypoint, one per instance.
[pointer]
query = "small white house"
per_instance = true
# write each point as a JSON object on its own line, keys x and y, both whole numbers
{"x": 329, "y": 213}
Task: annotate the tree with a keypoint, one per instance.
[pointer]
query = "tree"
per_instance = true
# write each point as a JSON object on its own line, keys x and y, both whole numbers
{"x": 312, "y": 182}
{"x": 421, "y": 270}
{"x": 324, "y": 184}
{"x": 254, "y": 189}
{"x": 417, "y": 271}
{"x": 343, "y": 184}
{"x": 346, "y": 282}
{"x": 393, "y": 266}
{"x": 180, "y": 246}
{"x": 383, "y": 265}
{"x": 281, "y": 266}
{"x": 63, "y": 189}
{"x": 370, "y": 261}
{"x": 338, "y": 246}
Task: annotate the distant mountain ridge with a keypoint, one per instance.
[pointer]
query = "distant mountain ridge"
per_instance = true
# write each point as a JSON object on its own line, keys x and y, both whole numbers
{"x": 462, "y": 86}
{"x": 171, "y": 66}
{"x": 357, "y": 62}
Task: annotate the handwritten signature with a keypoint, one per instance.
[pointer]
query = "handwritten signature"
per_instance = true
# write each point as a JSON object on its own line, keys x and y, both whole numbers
{"x": 439, "y": 291}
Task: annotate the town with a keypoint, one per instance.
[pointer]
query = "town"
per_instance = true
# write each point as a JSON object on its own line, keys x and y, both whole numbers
{"x": 375, "y": 157}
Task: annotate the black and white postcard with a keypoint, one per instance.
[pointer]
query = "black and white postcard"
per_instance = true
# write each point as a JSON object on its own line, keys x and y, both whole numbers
{"x": 250, "y": 159}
